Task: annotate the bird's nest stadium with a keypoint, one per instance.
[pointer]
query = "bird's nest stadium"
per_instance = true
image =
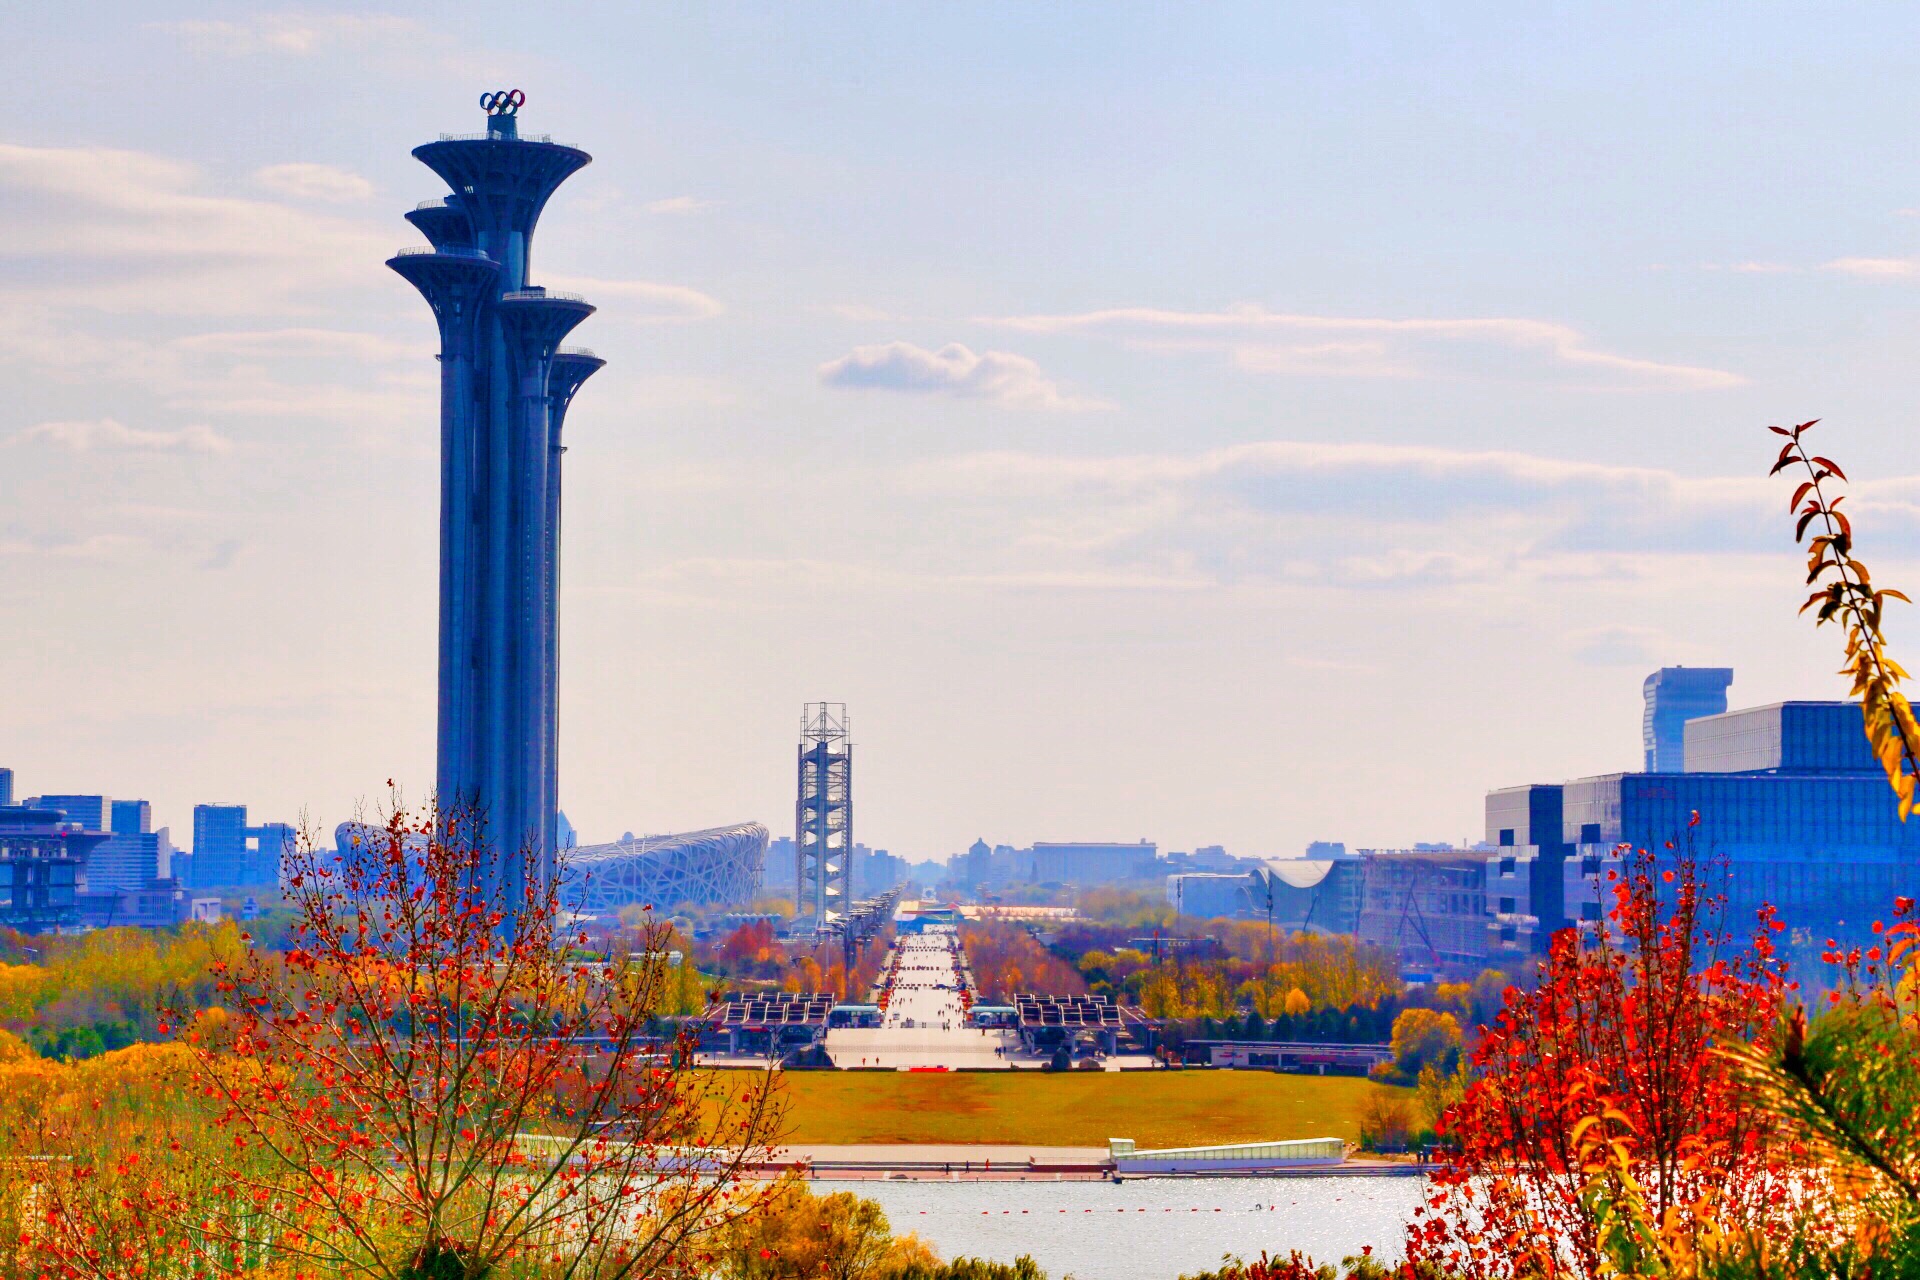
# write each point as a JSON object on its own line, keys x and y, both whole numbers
{"x": 717, "y": 867}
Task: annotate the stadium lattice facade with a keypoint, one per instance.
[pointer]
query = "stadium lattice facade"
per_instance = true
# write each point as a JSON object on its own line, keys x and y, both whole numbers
{"x": 718, "y": 867}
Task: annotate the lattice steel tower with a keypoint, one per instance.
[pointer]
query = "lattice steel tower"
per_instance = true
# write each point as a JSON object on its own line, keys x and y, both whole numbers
{"x": 505, "y": 384}
{"x": 823, "y": 816}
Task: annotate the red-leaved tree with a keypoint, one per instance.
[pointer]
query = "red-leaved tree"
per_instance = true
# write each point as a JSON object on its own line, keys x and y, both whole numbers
{"x": 1606, "y": 1084}
{"x": 431, "y": 1082}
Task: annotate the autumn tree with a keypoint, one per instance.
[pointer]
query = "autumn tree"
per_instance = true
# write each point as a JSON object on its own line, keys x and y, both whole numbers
{"x": 1008, "y": 960}
{"x": 1422, "y": 1038}
{"x": 430, "y": 1084}
{"x": 1607, "y": 1082}
{"x": 1843, "y": 1079}
{"x": 792, "y": 1234}
{"x": 1385, "y": 1122}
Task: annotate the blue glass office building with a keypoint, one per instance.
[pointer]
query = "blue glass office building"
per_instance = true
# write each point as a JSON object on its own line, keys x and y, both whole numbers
{"x": 1788, "y": 795}
{"x": 130, "y": 859}
{"x": 505, "y": 384}
{"x": 219, "y": 845}
{"x": 1675, "y": 695}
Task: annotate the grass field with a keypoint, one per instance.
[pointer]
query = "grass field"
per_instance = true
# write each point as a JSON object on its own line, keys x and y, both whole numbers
{"x": 1071, "y": 1109}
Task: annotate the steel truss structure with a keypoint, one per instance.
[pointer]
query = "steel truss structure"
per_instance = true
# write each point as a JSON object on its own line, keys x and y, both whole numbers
{"x": 720, "y": 866}
{"x": 823, "y": 818}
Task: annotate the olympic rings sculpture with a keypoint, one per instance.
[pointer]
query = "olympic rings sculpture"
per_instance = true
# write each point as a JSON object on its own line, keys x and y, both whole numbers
{"x": 502, "y": 102}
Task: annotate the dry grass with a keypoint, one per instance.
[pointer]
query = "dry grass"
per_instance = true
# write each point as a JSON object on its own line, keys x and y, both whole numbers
{"x": 1071, "y": 1109}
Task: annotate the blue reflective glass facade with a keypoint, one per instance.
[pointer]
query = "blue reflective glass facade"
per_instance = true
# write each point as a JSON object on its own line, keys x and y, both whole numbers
{"x": 90, "y": 813}
{"x": 270, "y": 843}
{"x": 1744, "y": 815}
{"x": 1788, "y": 797}
{"x": 219, "y": 845}
{"x": 1526, "y": 823}
{"x": 132, "y": 817}
{"x": 1675, "y": 695}
{"x": 1795, "y": 737}
{"x": 42, "y": 862}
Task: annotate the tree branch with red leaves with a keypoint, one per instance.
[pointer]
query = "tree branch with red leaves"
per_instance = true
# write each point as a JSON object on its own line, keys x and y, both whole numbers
{"x": 431, "y": 1081}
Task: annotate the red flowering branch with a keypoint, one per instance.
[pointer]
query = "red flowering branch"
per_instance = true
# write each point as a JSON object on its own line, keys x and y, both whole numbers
{"x": 1614, "y": 1052}
{"x": 431, "y": 1080}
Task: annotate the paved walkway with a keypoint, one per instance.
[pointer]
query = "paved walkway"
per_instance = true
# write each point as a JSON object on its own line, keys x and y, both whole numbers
{"x": 947, "y": 1162}
{"x": 976, "y": 1154}
{"x": 977, "y": 1162}
{"x": 925, "y": 1024}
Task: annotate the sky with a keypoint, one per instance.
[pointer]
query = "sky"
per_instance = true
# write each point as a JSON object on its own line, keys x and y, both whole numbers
{"x": 1241, "y": 423}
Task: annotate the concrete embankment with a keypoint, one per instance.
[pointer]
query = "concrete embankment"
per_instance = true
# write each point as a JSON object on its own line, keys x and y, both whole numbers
{"x": 970, "y": 1162}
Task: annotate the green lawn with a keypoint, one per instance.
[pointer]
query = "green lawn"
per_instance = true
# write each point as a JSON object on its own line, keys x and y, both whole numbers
{"x": 1071, "y": 1109}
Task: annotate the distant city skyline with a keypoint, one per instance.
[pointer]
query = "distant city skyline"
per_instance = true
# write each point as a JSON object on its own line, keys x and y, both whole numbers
{"x": 1245, "y": 425}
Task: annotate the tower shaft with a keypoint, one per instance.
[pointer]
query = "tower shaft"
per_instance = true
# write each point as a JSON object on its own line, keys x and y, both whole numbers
{"x": 505, "y": 384}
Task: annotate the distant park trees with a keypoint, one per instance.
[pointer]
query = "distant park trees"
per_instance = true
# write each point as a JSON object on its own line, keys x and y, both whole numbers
{"x": 428, "y": 1083}
{"x": 1008, "y": 960}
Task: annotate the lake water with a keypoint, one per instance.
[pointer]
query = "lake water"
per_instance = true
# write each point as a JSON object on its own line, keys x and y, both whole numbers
{"x": 1151, "y": 1228}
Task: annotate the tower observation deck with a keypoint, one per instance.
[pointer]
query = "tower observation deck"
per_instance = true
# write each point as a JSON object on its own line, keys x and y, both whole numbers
{"x": 505, "y": 385}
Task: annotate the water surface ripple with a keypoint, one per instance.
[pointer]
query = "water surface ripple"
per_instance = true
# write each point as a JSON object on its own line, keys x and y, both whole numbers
{"x": 1148, "y": 1229}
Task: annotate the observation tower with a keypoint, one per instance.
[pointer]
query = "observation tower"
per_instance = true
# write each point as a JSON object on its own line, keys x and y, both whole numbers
{"x": 823, "y": 820}
{"x": 505, "y": 385}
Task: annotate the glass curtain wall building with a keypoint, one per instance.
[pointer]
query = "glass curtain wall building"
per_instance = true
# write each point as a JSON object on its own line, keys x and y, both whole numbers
{"x": 219, "y": 845}
{"x": 1793, "y": 813}
{"x": 1675, "y": 695}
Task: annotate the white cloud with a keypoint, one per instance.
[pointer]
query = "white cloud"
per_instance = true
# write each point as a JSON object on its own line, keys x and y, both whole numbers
{"x": 128, "y": 231}
{"x": 290, "y": 34}
{"x": 679, "y": 204}
{"x": 1621, "y": 646}
{"x": 221, "y": 554}
{"x": 105, "y": 435}
{"x": 726, "y": 575}
{"x": 638, "y": 300}
{"x": 1876, "y": 268}
{"x": 1371, "y": 515}
{"x": 953, "y": 370}
{"x": 305, "y": 181}
{"x": 1372, "y": 347}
